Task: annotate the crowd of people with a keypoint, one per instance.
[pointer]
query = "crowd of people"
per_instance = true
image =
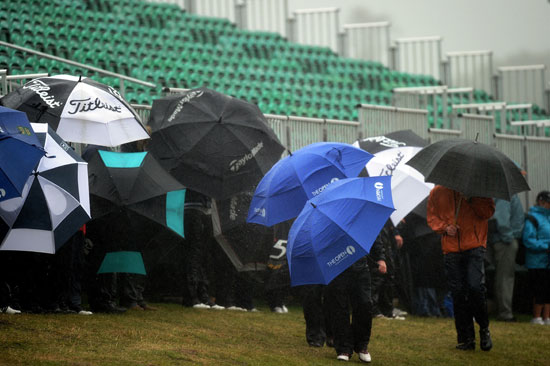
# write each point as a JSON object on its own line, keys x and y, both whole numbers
{"x": 422, "y": 265}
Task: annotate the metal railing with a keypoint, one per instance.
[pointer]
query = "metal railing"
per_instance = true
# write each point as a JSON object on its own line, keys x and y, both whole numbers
{"x": 418, "y": 55}
{"x": 316, "y": 27}
{"x": 469, "y": 69}
{"x": 367, "y": 41}
{"x": 522, "y": 84}
{"x": 122, "y": 78}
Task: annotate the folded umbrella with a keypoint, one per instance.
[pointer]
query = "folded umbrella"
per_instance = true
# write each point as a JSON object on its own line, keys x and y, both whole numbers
{"x": 391, "y": 152}
{"x": 470, "y": 167}
{"x": 336, "y": 228}
{"x": 20, "y": 152}
{"x": 304, "y": 174}
{"x": 79, "y": 109}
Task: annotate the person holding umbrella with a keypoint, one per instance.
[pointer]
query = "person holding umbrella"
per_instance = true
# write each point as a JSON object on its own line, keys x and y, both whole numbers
{"x": 462, "y": 222}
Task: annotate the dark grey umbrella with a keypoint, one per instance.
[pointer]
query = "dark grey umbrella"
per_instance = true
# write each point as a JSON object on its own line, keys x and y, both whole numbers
{"x": 470, "y": 167}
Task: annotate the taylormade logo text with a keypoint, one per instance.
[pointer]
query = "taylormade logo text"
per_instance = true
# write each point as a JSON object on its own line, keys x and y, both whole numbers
{"x": 235, "y": 165}
{"x": 323, "y": 187}
{"x": 182, "y": 101}
{"x": 350, "y": 250}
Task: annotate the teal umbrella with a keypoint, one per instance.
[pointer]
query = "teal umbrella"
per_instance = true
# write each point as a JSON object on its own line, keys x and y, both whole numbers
{"x": 122, "y": 262}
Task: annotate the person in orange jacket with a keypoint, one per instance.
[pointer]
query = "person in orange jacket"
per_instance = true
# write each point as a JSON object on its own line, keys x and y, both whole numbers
{"x": 462, "y": 223}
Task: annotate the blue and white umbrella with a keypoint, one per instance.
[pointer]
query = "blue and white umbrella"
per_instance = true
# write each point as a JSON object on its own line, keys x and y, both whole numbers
{"x": 20, "y": 152}
{"x": 55, "y": 202}
{"x": 336, "y": 228}
{"x": 304, "y": 174}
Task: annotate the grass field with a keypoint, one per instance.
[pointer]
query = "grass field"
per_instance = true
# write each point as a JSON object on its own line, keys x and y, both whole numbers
{"x": 181, "y": 336}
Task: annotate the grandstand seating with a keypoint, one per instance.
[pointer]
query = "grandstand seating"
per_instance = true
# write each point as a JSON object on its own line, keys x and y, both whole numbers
{"x": 160, "y": 43}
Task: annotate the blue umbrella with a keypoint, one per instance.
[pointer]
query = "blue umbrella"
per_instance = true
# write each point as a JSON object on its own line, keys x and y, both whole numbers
{"x": 283, "y": 191}
{"x": 20, "y": 152}
{"x": 337, "y": 228}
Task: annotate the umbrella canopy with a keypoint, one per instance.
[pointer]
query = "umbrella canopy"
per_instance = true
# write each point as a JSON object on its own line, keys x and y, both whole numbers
{"x": 246, "y": 245}
{"x": 20, "y": 152}
{"x": 391, "y": 152}
{"x": 304, "y": 174}
{"x": 55, "y": 200}
{"x": 212, "y": 143}
{"x": 122, "y": 262}
{"x": 470, "y": 167}
{"x": 123, "y": 184}
{"x": 336, "y": 228}
{"x": 79, "y": 109}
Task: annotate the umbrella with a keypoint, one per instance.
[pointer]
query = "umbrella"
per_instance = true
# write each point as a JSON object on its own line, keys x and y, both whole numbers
{"x": 122, "y": 262}
{"x": 246, "y": 245}
{"x": 79, "y": 109}
{"x": 391, "y": 152}
{"x": 20, "y": 152}
{"x": 283, "y": 191}
{"x": 212, "y": 143}
{"x": 133, "y": 189}
{"x": 336, "y": 228}
{"x": 470, "y": 167}
{"x": 55, "y": 200}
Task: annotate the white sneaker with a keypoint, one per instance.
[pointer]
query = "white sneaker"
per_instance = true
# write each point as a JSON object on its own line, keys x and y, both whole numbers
{"x": 364, "y": 356}
{"x": 398, "y": 317}
{"x": 537, "y": 321}
{"x": 399, "y": 312}
{"x": 10, "y": 310}
{"x": 285, "y": 309}
{"x": 342, "y": 357}
{"x": 85, "y": 312}
{"x": 254, "y": 310}
{"x": 217, "y": 307}
{"x": 546, "y": 321}
{"x": 201, "y": 306}
{"x": 278, "y": 310}
{"x": 235, "y": 308}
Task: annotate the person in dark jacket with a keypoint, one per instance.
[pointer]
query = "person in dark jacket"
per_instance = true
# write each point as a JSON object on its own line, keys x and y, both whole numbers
{"x": 353, "y": 288}
{"x": 536, "y": 238}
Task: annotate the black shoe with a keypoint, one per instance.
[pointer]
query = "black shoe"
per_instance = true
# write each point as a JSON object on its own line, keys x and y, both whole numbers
{"x": 469, "y": 345}
{"x": 485, "y": 342}
{"x": 315, "y": 344}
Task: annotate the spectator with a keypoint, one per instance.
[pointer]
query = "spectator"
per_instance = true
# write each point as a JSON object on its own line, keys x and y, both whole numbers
{"x": 353, "y": 288}
{"x": 536, "y": 238}
{"x": 502, "y": 246}
{"x": 462, "y": 222}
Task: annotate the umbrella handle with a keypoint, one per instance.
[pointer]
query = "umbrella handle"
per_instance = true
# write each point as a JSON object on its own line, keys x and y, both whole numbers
{"x": 457, "y": 210}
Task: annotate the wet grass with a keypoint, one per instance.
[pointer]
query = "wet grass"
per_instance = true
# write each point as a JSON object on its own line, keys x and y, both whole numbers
{"x": 180, "y": 336}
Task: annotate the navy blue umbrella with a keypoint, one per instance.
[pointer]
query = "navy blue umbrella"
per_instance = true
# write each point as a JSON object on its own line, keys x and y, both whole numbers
{"x": 336, "y": 228}
{"x": 283, "y": 191}
{"x": 20, "y": 152}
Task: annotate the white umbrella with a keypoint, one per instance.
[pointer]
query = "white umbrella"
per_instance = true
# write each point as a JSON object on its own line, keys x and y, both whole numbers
{"x": 391, "y": 152}
{"x": 79, "y": 109}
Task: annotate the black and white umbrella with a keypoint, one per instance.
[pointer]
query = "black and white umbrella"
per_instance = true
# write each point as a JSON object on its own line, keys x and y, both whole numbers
{"x": 79, "y": 109}
{"x": 55, "y": 202}
{"x": 391, "y": 152}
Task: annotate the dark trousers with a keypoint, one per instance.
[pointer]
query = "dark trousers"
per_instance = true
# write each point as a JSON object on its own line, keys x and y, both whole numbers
{"x": 466, "y": 278}
{"x": 315, "y": 314}
{"x": 351, "y": 288}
